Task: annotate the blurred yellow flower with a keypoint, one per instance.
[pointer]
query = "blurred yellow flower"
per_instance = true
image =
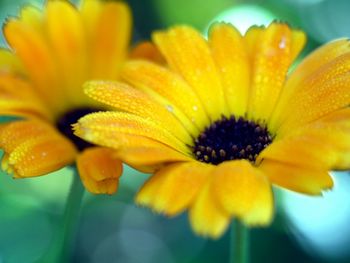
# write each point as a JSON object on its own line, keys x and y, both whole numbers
{"x": 52, "y": 53}
{"x": 222, "y": 123}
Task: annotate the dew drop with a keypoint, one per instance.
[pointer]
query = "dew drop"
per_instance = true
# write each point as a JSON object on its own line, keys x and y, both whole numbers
{"x": 282, "y": 43}
{"x": 170, "y": 108}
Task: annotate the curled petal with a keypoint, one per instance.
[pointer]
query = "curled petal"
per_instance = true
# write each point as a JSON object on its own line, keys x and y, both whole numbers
{"x": 99, "y": 170}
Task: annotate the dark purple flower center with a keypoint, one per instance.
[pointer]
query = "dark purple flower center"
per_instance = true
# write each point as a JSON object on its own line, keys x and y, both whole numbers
{"x": 64, "y": 125}
{"x": 231, "y": 139}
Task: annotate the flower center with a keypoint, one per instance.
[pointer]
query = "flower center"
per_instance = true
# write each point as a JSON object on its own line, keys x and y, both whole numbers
{"x": 64, "y": 125}
{"x": 231, "y": 139}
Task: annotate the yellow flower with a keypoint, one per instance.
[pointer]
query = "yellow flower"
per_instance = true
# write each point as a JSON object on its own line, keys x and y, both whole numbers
{"x": 221, "y": 123}
{"x": 52, "y": 53}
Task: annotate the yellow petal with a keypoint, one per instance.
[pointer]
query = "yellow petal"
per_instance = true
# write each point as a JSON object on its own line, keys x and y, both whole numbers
{"x": 33, "y": 51}
{"x": 142, "y": 153}
{"x": 172, "y": 189}
{"x": 40, "y": 156}
{"x": 231, "y": 57}
{"x": 17, "y": 98}
{"x": 99, "y": 170}
{"x": 304, "y": 150}
{"x": 148, "y": 51}
{"x": 314, "y": 62}
{"x": 15, "y": 133}
{"x": 296, "y": 178}
{"x": 270, "y": 65}
{"x": 337, "y": 150}
{"x": 298, "y": 43}
{"x": 187, "y": 52}
{"x": 101, "y": 127}
{"x": 5, "y": 164}
{"x": 68, "y": 41}
{"x": 32, "y": 16}
{"x": 252, "y": 40}
{"x": 243, "y": 191}
{"x": 325, "y": 61}
{"x": 324, "y": 143}
{"x": 126, "y": 98}
{"x": 9, "y": 62}
{"x": 152, "y": 79}
{"x": 253, "y": 36}
{"x": 90, "y": 12}
{"x": 33, "y": 148}
{"x": 206, "y": 216}
{"x": 109, "y": 25}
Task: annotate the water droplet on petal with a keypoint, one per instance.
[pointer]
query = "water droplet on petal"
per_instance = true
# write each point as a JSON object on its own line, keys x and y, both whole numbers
{"x": 282, "y": 43}
{"x": 170, "y": 108}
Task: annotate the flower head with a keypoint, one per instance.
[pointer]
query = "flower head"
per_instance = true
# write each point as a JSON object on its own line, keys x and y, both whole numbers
{"x": 222, "y": 123}
{"x": 52, "y": 53}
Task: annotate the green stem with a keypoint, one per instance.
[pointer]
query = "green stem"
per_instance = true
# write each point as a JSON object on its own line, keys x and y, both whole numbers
{"x": 239, "y": 245}
{"x": 61, "y": 248}
{"x": 71, "y": 216}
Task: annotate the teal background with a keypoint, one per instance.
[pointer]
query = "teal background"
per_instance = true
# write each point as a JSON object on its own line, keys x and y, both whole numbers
{"x": 113, "y": 229}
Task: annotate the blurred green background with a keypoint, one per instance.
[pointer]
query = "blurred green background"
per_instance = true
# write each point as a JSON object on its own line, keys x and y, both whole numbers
{"x": 113, "y": 229}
